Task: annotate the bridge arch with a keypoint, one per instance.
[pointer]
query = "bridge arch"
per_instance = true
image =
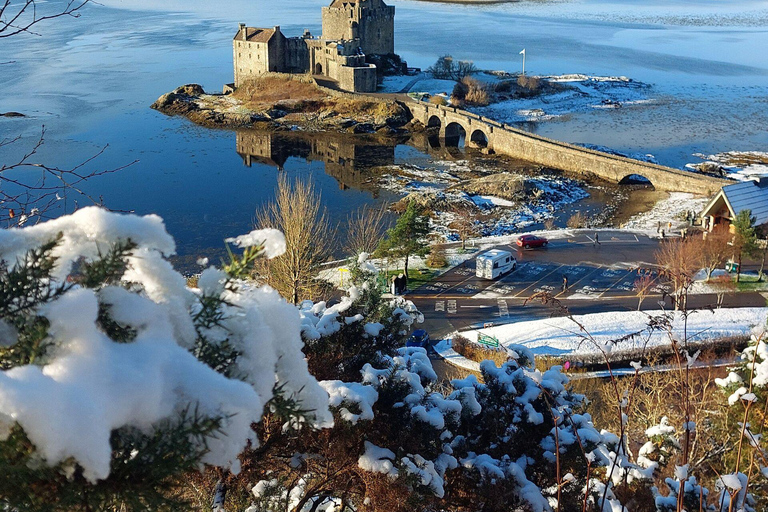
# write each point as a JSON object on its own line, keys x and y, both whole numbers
{"x": 455, "y": 134}
{"x": 479, "y": 139}
{"x": 636, "y": 179}
{"x": 434, "y": 122}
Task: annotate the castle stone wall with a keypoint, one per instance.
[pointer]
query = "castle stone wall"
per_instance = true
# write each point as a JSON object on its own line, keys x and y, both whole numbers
{"x": 361, "y": 79}
{"x": 250, "y": 60}
{"x": 377, "y": 30}
{"x": 371, "y": 21}
{"x": 295, "y": 56}
{"x": 348, "y": 28}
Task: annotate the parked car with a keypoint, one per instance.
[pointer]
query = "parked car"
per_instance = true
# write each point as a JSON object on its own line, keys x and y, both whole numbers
{"x": 529, "y": 241}
{"x": 418, "y": 338}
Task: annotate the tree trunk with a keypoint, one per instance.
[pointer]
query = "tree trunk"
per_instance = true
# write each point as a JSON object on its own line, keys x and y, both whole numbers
{"x": 406, "y": 265}
{"x": 738, "y": 271}
{"x": 762, "y": 268}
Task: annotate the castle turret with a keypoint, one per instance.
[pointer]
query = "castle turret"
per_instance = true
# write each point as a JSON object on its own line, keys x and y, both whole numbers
{"x": 370, "y": 21}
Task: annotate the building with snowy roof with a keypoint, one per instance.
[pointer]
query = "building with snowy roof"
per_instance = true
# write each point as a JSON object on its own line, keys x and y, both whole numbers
{"x": 749, "y": 195}
{"x": 351, "y": 29}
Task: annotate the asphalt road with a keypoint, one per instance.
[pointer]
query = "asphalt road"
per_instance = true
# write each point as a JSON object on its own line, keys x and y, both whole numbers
{"x": 600, "y": 278}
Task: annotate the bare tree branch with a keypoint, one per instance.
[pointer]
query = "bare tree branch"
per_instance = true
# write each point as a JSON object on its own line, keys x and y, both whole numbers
{"x": 25, "y": 194}
{"x": 22, "y": 16}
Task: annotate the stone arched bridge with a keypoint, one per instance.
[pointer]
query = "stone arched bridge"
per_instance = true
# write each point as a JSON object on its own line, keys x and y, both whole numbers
{"x": 478, "y": 131}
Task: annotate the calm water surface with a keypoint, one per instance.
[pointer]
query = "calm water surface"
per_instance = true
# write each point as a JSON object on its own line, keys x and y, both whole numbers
{"x": 90, "y": 82}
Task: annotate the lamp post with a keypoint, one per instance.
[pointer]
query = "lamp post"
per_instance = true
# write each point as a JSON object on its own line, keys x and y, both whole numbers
{"x": 523, "y": 54}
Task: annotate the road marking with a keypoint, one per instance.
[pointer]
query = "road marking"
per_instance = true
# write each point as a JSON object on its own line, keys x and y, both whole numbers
{"x": 623, "y": 277}
{"x": 476, "y": 307}
{"x": 457, "y": 284}
{"x": 440, "y": 305}
{"x": 451, "y": 306}
{"x": 536, "y": 282}
{"x": 503, "y": 309}
{"x": 572, "y": 286}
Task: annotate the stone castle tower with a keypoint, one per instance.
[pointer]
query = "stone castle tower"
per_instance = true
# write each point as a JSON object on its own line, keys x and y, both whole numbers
{"x": 370, "y": 21}
{"x": 352, "y": 29}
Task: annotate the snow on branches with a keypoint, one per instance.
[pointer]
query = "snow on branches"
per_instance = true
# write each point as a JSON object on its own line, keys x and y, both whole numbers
{"x": 101, "y": 335}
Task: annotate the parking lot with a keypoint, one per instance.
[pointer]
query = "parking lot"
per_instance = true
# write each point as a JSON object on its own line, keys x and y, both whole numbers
{"x": 596, "y": 273}
{"x": 591, "y": 270}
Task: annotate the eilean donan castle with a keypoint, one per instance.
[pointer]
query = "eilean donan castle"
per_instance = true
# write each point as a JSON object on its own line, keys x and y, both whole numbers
{"x": 351, "y": 29}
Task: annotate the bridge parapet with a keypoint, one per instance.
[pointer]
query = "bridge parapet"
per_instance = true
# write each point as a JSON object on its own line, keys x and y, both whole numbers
{"x": 510, "y": 141}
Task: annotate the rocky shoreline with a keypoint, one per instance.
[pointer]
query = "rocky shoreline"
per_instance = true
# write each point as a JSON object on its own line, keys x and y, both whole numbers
{"x": 321, "y": 112}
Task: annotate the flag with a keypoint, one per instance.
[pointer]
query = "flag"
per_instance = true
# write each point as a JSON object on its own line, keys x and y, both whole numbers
{"x": 522, "y": 52}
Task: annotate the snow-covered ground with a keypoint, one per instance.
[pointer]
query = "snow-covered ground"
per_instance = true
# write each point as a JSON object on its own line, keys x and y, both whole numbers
{"x": 500, "y": 216}
{"x": 583, "y": 94}
{"x": 673, "y": 209}
{"x": 739, "y": 165}
{"x": 561, "y": 336}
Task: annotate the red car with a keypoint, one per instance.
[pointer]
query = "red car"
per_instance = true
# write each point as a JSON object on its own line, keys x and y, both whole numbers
{"x": 528, "y": 241}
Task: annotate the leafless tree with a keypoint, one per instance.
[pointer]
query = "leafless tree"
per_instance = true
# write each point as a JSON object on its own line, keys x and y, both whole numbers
{"x": 715, "y": 249}
{"x": 465, "y": 224}
{"x": 679, "y": 259}
{"x": 643, "y": 286}
{"x": 24, "y": 15}
{"x": 448, "y": 68}
{"x": 30, "y": 188}
{"x": 297, "y": 212}
{"x": 365, "y": 227}
{"x": 723, "y": 285}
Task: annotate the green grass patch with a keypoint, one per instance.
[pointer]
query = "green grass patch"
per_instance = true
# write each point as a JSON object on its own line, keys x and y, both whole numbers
{"x": 750, "y": 284}
{"x": 416, "y": 277}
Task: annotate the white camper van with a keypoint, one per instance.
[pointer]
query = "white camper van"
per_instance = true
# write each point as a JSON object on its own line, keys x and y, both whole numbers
{"x": 494, "y": 263}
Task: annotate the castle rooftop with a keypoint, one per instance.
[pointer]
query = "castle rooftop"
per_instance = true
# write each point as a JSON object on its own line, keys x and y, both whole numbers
{"x": 256, "y": 35}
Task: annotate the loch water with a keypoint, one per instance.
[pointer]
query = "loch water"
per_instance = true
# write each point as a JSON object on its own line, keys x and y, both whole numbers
{"x": 90, "y": 81}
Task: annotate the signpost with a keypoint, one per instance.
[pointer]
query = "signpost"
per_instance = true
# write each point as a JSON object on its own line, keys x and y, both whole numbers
{"x": 489, "y": 341}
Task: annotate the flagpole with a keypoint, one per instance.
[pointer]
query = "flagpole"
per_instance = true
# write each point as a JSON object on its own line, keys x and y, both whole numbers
{"x": 523, "y": 54}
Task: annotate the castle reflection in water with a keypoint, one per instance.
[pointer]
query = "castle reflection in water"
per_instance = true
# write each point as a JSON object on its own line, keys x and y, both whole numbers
{"x": 351, "y": 160}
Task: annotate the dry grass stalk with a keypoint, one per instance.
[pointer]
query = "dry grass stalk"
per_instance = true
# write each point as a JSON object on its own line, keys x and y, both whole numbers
{"x": 297, "y": 212}
{"x": 476, "y": 352}
{"x": 365, "y": 227}
{"x": 477, "y": 92}
{"x": 643, "y": 286}
{"x": 268, "y": 90}
{"x": 438, "y": 100}
{"x": 298, "y": 94}
{"x": 577, "y": 220}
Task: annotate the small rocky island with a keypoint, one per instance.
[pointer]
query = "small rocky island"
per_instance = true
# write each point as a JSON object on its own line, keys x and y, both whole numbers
{"x": 285, "y": 102}
{"x": 276, "y": 77}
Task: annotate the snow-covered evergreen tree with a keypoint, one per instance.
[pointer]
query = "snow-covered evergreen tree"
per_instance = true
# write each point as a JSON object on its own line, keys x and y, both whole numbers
{"x": 116, "y": 376}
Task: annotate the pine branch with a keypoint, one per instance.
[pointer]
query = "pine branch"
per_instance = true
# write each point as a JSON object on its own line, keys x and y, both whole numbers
{"x": 109, "y": 268}
{"x": 29, "y": 285}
